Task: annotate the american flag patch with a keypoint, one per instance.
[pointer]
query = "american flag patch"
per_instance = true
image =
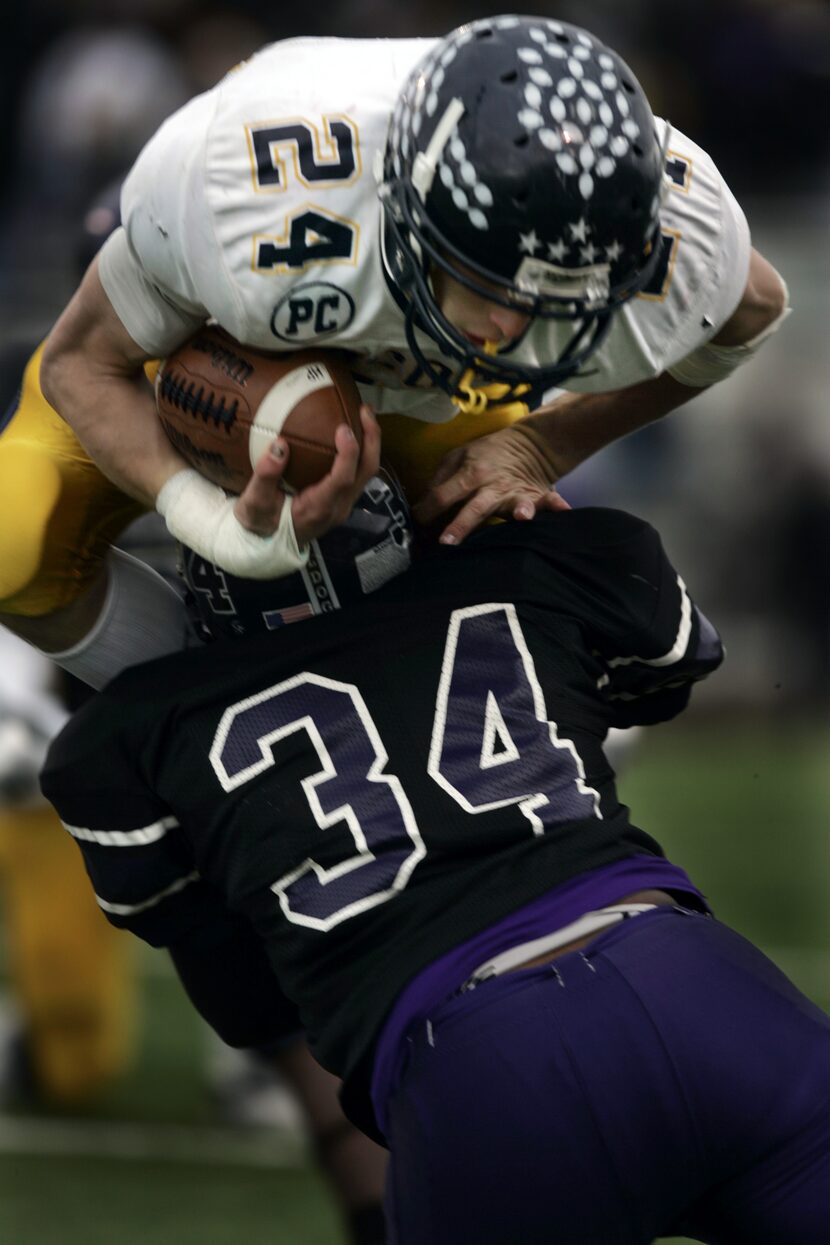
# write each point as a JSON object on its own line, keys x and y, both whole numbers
{"x": 292, "y": 613}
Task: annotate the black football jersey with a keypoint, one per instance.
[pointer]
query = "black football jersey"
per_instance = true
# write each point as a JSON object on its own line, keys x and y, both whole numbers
{"x": 369, "y": 788}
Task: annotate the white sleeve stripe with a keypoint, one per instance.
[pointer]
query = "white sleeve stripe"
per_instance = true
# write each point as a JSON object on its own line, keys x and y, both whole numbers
{"x": 681, "y": 643}
{"x": 124, "y": 838}
{"x": 131, "y": 909}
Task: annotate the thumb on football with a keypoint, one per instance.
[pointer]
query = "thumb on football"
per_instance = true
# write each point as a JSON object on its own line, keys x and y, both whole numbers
{"x": 260, "y": 503}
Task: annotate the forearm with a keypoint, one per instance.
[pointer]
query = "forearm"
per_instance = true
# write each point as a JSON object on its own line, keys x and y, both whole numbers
{"x": 129, "y": 445}
{"x": 576, "y": 425}
{"x": 92, "y": 374}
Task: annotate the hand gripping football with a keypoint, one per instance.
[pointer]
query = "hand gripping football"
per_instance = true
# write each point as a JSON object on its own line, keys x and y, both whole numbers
{"x": 222, "y": 404}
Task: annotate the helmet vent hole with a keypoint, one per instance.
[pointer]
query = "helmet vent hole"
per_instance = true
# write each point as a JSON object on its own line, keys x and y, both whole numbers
{"x": 520, "y": 198}
{"x": 521, "y": 140}
{"x": 510, "y": 76}
{"x": 628, "y": 86}
{"x": 637, "y": 149}
{"x": 563, "y": 38}
{"x": 487, "y": 33}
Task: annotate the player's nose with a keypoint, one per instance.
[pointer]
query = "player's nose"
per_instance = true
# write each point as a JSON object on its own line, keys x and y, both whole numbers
{"x": 508, "y": 322}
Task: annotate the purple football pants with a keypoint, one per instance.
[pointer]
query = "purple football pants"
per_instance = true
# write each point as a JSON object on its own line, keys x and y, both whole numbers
{"x": 668, "y": 1080}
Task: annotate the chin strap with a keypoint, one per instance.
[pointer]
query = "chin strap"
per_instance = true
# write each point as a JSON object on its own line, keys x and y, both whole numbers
{"x": 472, "y": 399}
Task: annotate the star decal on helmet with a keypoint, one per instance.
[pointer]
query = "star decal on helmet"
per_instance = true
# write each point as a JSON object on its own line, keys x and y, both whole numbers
{"x": 529, "y": 243}
{"x": 579, "y": 249}
{"x": 524, "y": 151}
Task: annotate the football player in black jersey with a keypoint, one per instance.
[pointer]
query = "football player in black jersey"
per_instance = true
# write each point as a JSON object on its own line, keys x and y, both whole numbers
{"x": 401, "y": 811}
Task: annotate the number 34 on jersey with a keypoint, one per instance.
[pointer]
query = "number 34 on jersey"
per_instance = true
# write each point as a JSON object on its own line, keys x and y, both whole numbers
{"x": 492, "y": 746}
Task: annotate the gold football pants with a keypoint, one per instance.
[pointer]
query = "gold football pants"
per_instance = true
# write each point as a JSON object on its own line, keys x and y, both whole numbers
{"x": 71, "y": 972}
{"x": 59, "y": 514}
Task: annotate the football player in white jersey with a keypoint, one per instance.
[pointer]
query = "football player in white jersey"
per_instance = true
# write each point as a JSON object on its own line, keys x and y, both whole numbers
{"x": 480, "y": 220}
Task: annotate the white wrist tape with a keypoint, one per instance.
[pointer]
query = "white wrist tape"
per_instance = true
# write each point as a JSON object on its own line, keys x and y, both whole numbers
{"x": 711, "y": 363}
{"x": 200, "y": 515}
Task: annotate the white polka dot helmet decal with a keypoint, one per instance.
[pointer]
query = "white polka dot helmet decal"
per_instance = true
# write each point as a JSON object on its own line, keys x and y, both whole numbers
{"x": 524, "y": 151}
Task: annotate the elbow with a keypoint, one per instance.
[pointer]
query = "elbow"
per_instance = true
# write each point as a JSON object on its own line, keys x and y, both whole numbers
{"x": 768, "y": 298}
{"x": 51, "y": 377}
{"x": 764, "y": 304}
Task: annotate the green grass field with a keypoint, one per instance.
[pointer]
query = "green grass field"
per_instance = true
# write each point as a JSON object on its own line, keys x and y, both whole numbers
{"x": 745, "y": 810}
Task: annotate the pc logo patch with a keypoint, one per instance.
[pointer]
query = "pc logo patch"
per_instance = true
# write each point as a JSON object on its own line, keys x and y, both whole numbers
{"x": 312, "y": 311}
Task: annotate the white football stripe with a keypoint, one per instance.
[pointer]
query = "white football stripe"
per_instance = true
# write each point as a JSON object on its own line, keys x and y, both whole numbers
{"x": 280, "y": 401}
{"x": 681, "y": 642}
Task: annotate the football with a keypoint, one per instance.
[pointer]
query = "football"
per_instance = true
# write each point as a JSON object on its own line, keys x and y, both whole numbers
{"x": 221, "y": 404}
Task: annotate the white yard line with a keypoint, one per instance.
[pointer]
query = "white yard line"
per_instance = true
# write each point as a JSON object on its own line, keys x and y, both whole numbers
{"x": 156, "y": 1143}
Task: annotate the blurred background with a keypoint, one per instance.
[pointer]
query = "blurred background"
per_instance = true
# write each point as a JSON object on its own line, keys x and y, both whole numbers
{"x": 738, "y": 483}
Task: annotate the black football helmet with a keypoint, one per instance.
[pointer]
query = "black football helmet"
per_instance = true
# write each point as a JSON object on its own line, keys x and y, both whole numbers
{"x": 351, "y": 560}
{"x": 522, "y": 158}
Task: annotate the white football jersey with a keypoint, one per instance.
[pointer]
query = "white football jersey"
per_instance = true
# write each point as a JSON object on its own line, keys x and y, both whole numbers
{"x": 257, "y": 205}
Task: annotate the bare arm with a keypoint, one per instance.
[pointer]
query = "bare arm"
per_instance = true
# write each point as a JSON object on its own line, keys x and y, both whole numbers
{"x": 763, "y": 302}
{"x": 92, "y": 374}
{"x": 575, "y": 426}
{"x": 512, "y": 471}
